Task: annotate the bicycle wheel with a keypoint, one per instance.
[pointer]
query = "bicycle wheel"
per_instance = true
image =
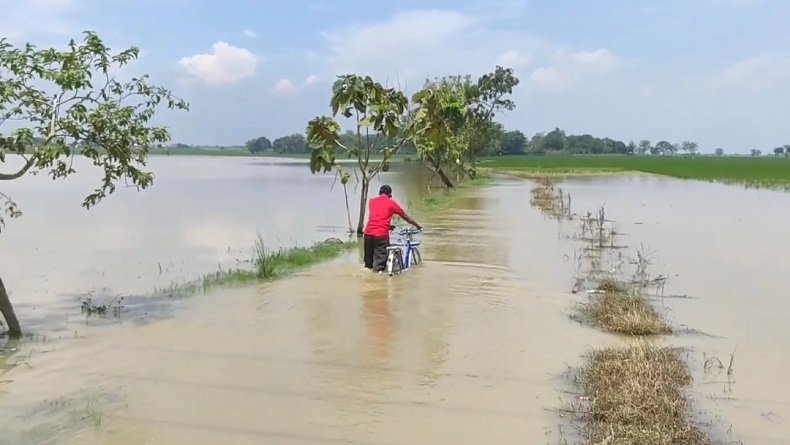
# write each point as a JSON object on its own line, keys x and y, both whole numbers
{"x": 399, "y": 262}
{"x": 416, "y": 256}
{"x": 390, "y": 262}
{"x": 396, "y": 265}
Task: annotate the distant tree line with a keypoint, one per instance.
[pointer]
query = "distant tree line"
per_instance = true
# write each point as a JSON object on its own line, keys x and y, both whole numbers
{"x": 496, "y": 140}
{"x": 297, "y": 144}
{"x": 514, "y": 142}
{"x": 557, "y": 141}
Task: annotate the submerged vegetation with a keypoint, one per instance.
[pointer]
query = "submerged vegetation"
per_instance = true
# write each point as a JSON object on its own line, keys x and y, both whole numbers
{"x": 267, "y": 266}
{"x": 633, "y": 394}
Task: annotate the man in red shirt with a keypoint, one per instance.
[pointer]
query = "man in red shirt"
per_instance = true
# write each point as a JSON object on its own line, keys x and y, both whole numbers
{"x": 377, "y": 232}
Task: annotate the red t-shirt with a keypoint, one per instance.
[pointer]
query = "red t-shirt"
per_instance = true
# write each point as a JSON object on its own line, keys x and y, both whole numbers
{"x": 381, "y": 209}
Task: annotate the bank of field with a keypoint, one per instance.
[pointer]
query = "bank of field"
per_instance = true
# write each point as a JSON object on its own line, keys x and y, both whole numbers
{"x": 763, "y": 171}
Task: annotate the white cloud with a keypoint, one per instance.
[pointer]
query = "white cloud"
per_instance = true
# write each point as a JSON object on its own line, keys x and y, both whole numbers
{"x": 550, "y": 78}
{"x": 755, "y": 73}
{"x": 250, "y": 33}
{"x": 416, "y": 36}
{"x": 411, "y": 46}
{"x": 226, "y": 64}
{"x": 569, "y": 68}
{"x": 311, "y": 80}
{"x": 284, "y": 87}
{"x": 600, "y": 60}
{"x": 513, "y": 59}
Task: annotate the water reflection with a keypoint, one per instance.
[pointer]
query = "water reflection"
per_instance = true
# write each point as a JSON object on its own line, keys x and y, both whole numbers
{"x": 378, "y": 314}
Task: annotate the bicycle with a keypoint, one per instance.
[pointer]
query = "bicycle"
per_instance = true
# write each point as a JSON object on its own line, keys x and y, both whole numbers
{"x": 397, "y": 259}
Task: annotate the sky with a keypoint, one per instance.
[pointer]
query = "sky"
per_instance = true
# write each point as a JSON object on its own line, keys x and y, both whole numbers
{"x": 712, "y": 71}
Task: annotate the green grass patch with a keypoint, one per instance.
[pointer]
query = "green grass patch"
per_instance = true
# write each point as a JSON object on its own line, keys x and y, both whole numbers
{"x": 267, "y": 266}
{"x": 751, "y": 171}
{"x": 441, "y": 198}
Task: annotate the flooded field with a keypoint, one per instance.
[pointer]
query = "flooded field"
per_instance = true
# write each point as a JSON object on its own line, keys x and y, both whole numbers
{"x": 724, "y": 247}
{"x": 471, "y": 347}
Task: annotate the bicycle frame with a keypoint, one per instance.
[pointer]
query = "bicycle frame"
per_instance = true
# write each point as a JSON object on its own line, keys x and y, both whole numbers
{"x": 407, "y": 247}
{"x": 407, "y": 260}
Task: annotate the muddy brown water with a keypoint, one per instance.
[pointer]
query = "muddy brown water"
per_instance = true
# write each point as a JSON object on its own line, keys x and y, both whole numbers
{"x": 470, "y": 347}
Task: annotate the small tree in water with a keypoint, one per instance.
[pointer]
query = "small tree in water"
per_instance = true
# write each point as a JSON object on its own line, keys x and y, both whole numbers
{"x": 453, "y": 121}
{"x": 377, "y": 113}
{"x": 68, "y": 103}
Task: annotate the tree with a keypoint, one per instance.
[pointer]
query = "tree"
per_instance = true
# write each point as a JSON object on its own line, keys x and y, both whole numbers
{"x": 631, "y": 148}
{"x": 644, "y": 147}
{"x": 663, "y": 148}
{"x": 258, "y": 145}
{"x": 689, "y": 147}
{"x": 293, "y": 143}
{"x": 513, "y": 143}
{"x": 719, "y": 152}
{"x": 487, "y": 98}
{"x": 779, "y": 151}
{"x": 377, "y": 113}
{"x": 453, "y": 121}
{"x": 787, "y": 150}
{"x": 756, "y": 153}
{"x": 437, "y": 125}
{"x": 554, "y": 140}
{"x": 68, "y": 102}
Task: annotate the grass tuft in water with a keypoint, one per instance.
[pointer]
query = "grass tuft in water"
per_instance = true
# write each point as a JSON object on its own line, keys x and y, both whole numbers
{"x": 443, "y": 198}
{"x": 615, "y": 309}
{"x": 636, "y": 396}
{"x": 268, "y": 266}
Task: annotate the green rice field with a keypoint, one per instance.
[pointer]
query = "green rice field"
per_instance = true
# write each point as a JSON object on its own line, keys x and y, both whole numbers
{"x": 751, "y": 171}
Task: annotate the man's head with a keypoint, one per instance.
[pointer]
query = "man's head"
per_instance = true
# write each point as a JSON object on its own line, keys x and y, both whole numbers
{"x": 385, "y": 190}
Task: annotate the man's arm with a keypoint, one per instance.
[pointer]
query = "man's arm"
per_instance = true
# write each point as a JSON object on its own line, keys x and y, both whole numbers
{"x": 409, "y": 220}
{"x": 399, "y": 211}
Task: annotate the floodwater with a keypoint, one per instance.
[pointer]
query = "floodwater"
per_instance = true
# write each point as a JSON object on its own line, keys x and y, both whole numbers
{"x": 726, "y": 248}
{"x": 470, "y": 347}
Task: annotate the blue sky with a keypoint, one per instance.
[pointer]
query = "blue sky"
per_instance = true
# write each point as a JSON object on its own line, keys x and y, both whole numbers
{"x": 713, "y": 71}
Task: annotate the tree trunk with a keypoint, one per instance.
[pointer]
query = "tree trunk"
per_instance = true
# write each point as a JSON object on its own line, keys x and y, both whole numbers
{"x": 363, "y": 204}
{"x": 473, "y": 162}
{"x": 444, "y": 177}
{"x": 348, "y": 210}
{"x": 14, "y": 331}
{"x": 436, "y": 164}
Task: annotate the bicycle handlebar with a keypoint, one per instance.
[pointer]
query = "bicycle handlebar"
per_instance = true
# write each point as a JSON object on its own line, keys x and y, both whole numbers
{"x": 406, "y": 230}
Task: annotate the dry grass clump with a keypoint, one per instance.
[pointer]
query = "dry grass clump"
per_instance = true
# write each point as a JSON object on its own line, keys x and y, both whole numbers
{"x": 636, "y": 396}
{"x": 551, "y": 201}
{"x": 612, "y": 285}
{"x": 622, "y": 313}
{"x": 615, "y": 309}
